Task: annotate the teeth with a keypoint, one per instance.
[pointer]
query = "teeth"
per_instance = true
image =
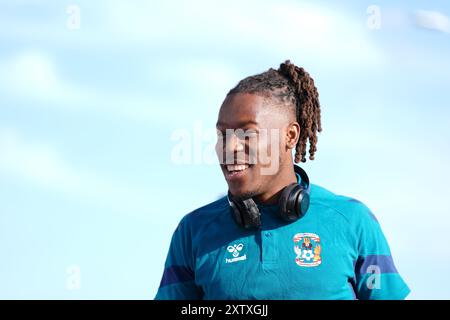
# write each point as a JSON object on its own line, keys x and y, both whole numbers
{"x": 237, "y": 167}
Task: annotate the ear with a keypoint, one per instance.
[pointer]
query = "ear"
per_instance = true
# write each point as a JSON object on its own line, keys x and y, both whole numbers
{"x": 292, "y": 135}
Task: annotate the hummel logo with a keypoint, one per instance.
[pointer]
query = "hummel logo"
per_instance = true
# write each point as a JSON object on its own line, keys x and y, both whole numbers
{"x": 235, "y": 250}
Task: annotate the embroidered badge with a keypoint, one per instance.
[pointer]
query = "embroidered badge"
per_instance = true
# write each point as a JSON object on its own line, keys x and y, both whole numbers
{"x": 307, "y": 248}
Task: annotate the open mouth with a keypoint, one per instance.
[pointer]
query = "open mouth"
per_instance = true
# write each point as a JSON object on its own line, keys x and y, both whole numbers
{"x": 236, "y": 167}
{"x": 233, "y": 171}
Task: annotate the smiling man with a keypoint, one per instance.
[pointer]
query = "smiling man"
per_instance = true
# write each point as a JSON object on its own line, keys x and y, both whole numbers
{"x": 275, "y": 235}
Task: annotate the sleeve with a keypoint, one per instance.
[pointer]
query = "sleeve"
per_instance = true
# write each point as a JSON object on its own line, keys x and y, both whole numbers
{"x": 178, "y": 280}
{"x": 376, "y": 277}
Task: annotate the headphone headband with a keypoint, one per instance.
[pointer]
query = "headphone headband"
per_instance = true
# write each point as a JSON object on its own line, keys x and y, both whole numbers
{"x": 304, "y": 177}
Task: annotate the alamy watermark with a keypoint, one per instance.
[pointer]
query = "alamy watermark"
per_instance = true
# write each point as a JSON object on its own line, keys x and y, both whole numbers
{"x": 74, "y": 17}
{"x": 374, "y": 280}
{"x": 229, "y": 147}
{"x": 374, "y": 18}
{"x": 73, "y": 279}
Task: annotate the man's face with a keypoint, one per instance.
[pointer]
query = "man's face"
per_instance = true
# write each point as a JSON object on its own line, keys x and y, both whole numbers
{"x": 250, "y": 143}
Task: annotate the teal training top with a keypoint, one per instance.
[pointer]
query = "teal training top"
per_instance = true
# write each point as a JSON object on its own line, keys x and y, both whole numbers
{"x": 336, "y": 251}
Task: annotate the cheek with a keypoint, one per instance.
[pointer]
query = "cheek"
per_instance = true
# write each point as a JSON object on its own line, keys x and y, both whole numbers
{"x": 268, "y": 148}
{"x": 219, "y": 149}
{"x": 263, "y": 145}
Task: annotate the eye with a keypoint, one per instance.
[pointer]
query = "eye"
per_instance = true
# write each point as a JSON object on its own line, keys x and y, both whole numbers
{"x": 251, "y": 131}
{"x": 246, "y": 133}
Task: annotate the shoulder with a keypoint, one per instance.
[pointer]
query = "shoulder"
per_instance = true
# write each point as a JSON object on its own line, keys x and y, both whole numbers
{"x": 351, "y": 209}
{"x": 205, "y": 215}
{"x": 206, "y": 226}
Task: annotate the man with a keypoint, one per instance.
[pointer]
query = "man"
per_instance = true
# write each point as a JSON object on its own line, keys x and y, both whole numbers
{"x": 275, "y": 235}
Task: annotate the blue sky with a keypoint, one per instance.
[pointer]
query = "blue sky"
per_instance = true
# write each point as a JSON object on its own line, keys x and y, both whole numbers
{"x": 88, "y": 116}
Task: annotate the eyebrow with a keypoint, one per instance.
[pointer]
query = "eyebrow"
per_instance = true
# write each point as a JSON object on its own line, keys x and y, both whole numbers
{"x": 240, "y": 124}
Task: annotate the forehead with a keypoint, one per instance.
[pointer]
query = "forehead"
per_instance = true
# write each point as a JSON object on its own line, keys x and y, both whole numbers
{"x": 243, "y": 109}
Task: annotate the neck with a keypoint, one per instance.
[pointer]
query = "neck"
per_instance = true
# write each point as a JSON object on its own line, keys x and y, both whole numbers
{"x": 285, "y": 177}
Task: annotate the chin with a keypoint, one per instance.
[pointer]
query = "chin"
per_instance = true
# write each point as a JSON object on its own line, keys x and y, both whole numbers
{"x": 242, "y": 193}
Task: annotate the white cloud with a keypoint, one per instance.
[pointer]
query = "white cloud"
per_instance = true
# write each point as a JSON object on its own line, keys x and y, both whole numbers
{"x": 38, "y": 163}
{"x": 280, "y": 28}
{"x": 196, "y": 74}
{"x": 44, "y": 167}
{"x": 203, "y": 33}
{"x": 246, "y": 28}
{"x": 35, "y": 72}
{"x": 34, "y": 76}
{"x": 433, "y": 20}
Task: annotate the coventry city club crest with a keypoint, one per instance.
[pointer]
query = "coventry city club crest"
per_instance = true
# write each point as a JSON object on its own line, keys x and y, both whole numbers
{"x": 307, "y": 248}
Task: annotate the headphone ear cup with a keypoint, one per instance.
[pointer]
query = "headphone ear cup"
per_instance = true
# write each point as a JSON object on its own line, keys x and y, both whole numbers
{"x": 252, "y": 215}
{"x": 245, "y": 212}
{"x": 235, "y": 212}
{"x": 288, "y": 202}
{"x": 303, "y": 203}
{"x": 294, "y": 202}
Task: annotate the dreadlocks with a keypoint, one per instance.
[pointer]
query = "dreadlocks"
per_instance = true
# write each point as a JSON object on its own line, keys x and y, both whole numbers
{"x": 293, "y": 86}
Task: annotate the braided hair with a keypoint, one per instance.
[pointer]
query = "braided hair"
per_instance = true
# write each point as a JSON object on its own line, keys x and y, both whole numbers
{"x": 292, "y": 86}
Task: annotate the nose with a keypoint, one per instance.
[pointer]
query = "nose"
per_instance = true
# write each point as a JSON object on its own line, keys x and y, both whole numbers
{"x": 230, "y": 148}
{"x": 233, "y": 144}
